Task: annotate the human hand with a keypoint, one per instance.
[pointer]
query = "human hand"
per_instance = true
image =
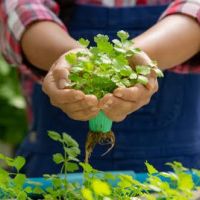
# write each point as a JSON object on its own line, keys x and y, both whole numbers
{"x": 74, "y": 103}
{"x": 124, "y": 101}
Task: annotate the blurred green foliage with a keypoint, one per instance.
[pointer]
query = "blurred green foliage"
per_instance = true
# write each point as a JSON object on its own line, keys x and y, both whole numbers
{"x": 13, "y": 124}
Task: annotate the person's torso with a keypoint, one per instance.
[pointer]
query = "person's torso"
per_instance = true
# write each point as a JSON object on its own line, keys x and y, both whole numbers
{"x": 166, "y": 129}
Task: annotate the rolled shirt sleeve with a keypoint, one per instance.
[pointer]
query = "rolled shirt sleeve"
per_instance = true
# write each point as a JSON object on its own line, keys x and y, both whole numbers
{"x": 190, "y": 8}
{"x": 15, "y": 16}
{"x": 186, "y": 7}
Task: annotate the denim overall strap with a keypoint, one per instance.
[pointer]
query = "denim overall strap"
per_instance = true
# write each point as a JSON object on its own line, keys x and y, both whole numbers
{"x": 166, "y": 129}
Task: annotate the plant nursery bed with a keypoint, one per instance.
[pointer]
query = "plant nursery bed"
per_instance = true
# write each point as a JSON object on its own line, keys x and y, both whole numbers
{"x": 92, "y": 184}
{"x": 141, "y": 177}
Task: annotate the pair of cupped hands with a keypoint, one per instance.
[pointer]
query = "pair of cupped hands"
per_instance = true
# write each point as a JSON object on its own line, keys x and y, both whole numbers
{"x": 80, "y": 106}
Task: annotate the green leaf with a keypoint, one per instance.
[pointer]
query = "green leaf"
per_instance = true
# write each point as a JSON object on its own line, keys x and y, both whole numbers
{"x": 57, "y": 182}
{"x": 143, "y": 70}
{"x": 185, "y": 182}
{"x": 38, "y": 190}
{"x": 76, "y": 69}
{"x": 126, "y": 181}
{"x": 33, "y": 183}
{"x": 58, "y": 158}
{"x": 54, "y": 135}
{"x": 86, "y": 167}
{"x": 46, "y": 176}
{"x": 119, "y": 61}
{"x": 142, "y": 79}
{"x": 28, "y": 189}
{"x": 9, "y": 161}
{"x": 73, "y": 159}
{"x": 126, "y": 82}
{"x": 117, "y": 42}
{"x": 2, "y": 157}
{"x": 84, "y": 42}
{"x": 105, "y": 59}
{"x": 19, "y": 180}
{"x": 177, "y": 167}
{"x": 22, "y": 196}
{"x": 72, "y": 151}
{"x": 132, "y": 50}
{"x": 123, "y": 35}
{"x": 170, "y": 175}
{"x": 69, "y": 141}
{"x": 71, "y": 58}
{"x": 149, "y": 197}
{"x": 4, "y": 177}
{"x": 120, "y": 50}
{"x": 83, "y": 54}
{"x": 133, "y": 75}
{"x": 71, "y": 167}
{"x": 88, "y": 66}
{"x": 5, "y": 68}
{"x": 49, "y": 190}
{"x": 19, "y": 162}
{"x": 137, "y": 50}
{"x": 109, "y": 176}
{"x": 150, "y": 168}
{"x": 159, "y": 73}
{"x": 103, "y": 44}
{"x": 3, "y": 172}
{"x": 116, "y": 79}
{"x": 125, "y": 71}
{"x": 106, "y": 66}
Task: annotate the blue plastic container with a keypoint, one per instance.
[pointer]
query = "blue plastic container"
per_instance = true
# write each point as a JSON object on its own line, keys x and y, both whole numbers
{"x": 78, "y": 178}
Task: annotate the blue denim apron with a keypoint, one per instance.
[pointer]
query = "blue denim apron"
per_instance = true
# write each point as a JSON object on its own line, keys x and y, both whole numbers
{"x": 166, "y": 129}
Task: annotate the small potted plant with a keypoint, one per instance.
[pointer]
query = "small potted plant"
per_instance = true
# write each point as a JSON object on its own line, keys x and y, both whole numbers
{"x": 100, "y": 70}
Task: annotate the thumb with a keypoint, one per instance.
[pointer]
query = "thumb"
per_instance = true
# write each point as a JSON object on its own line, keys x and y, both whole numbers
{"x": 60, "y": 72}
{"x": 140, "y": 58}
{"x": 61, "y": 77}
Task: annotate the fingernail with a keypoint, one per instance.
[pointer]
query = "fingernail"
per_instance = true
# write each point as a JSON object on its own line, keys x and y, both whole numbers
{"x": 118, "y": 94}
{"x": 78, "y": 97}
{"x": 62, "y": 83}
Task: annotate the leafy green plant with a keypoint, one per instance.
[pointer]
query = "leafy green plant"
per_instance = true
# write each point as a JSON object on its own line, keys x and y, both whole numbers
{"x": 97, "y": 185}
{"x": 13, "y": 187}
{"x": 13, "y": 123}
{"x": 61, "y": 188}
{"x": 105, "y": 67}
{"x": 101, "y": 69}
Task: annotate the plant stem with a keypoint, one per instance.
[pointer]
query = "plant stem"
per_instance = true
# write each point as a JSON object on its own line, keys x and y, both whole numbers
{"x": 65, "y": 170}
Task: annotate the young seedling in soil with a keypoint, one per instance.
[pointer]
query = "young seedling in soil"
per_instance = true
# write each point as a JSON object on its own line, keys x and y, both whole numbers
{"x": 101, "y": 70}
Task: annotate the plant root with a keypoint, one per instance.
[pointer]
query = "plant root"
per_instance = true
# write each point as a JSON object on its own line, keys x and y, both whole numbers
{"x": 98, "y": 138}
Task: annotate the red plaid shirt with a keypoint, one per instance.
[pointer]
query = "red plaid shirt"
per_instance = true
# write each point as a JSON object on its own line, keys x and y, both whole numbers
{"x": 16, "y": 15}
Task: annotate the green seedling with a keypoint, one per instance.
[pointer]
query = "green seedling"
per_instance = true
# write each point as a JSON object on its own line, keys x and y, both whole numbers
{"x": 96, "y": 185}
{"x": 100, "y": 70}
